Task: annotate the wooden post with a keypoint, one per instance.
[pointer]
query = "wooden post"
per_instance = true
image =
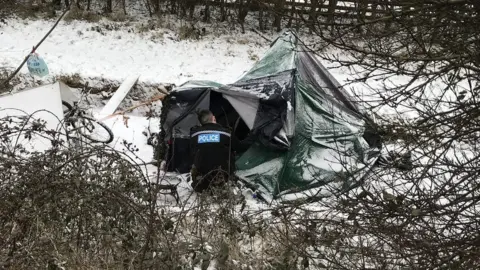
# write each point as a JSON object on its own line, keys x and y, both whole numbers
{"x": 119, "y": 95}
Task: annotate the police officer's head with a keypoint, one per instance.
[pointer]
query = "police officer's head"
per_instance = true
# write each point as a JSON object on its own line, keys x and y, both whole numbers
{"x": 206, "y": 116}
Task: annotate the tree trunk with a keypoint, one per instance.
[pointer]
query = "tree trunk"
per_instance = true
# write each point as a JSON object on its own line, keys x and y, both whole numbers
{"x": 260, "y": 19}
{"x": 182, "y": 10}
{"x": 312, "y": 16}
{"x": 277, "y": 22}
{"x": 374, "y": 9}
{"x": 173, "y": 6}
{"x": 108, "y": 9}
{"x": 191, "y": 10}
{"x": 206, "y": 16}
{"x": 332, "y": 7}
{"x": 149, "y": 8}
{"x": 242, "y": 13}
{"x": 156, "y": 6}
{"x": 405, "y": 8}
{"x": 89, "y": 3}
{"x": 223, "y": 14}
{"x": 387, "y": 8}
{"x": 292, "y": 15}
{"x": 361, "y": 10}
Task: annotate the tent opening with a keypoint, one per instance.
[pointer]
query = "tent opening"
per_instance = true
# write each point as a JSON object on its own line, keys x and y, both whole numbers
{"x": 227, "y": 116}
{"x": 179, "y": 152}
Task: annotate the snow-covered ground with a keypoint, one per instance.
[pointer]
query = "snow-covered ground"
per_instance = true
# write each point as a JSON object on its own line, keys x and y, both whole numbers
{"x": 157, "y": 56}
{"x": 94, "y": 50}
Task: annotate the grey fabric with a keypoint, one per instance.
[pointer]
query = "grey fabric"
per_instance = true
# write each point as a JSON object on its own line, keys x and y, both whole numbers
{"x": 289, "y": 124}
{"x": 246, "y": 108}
{"x": 275, "y": 119}
{"x": 197, "y": 84}
{"x": 67, "y": 93}
{"x": 282, "y": 137}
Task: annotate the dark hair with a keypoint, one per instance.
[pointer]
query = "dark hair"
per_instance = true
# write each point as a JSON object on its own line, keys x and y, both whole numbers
{"x": 204, "y": 116}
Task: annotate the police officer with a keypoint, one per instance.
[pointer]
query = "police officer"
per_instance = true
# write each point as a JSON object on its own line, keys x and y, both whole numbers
{"x": 213, "y": 148}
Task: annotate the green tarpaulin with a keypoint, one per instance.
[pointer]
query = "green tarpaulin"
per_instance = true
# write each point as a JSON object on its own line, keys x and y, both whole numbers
{"x": 310, "y": 134}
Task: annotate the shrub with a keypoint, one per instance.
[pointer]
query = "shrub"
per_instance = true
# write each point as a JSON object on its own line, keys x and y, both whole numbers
{"x": 69, "y": 206}
{"x": 76, "y": 14}
{"x": 188, "y": 32}
{"x": 118, "y": 17}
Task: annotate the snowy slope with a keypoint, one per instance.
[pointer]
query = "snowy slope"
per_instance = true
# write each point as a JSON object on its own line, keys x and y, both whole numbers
{"x": 75, "y": 48}
{"x": 80, "y": 48}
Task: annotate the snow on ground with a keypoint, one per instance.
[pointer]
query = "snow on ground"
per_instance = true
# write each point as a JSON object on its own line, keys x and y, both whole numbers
{"x": 133, "y": 129}
{"x": 75, "y": 48}
{"x": 158, "y": 56}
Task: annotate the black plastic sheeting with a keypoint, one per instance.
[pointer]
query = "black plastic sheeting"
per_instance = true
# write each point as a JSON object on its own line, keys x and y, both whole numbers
{"x": 272, "y": 111}
{"x": 271, "y": 116}
{"x": 178, "y": 116}
{"x": 182, "y": 114}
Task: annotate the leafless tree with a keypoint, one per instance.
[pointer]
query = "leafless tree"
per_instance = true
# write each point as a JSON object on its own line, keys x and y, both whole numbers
{"x": 417, "y": 68}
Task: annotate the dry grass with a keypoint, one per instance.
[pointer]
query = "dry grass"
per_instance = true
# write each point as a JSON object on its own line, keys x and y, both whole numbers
{"x": 252, "y": 56}
{"x": 4, "y": 73}
{"x": 3, "y": 76}
{"x": 118, "y": 17}
{"x": 73, "y": 80}
{"x": 186, "y": 32}
{"x": 88, "y": 207}
{"x": 155, "y": 24}
{"x": 25, "y": 10}
{"x": 157, "y": 36}
{"x": 76, "y": 14}
{"x": 243, "y": 41}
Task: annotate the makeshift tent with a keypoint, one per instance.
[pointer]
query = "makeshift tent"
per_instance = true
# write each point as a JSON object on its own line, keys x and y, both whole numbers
{"x": 310, "y": 135}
